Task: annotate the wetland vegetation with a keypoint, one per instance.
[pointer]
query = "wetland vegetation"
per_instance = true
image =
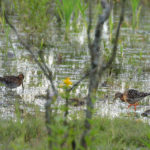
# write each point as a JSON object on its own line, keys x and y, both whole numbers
{"x": 72, "y": 53}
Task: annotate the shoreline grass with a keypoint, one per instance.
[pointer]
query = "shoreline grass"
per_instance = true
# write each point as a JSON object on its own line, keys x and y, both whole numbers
{"x": 117, "y": 133}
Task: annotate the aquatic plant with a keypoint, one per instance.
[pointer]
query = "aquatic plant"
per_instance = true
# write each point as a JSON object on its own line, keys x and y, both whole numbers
{"x": 33, "y": 14}
{"x": 135, "y": 13}
{"x": 111, "y": 25}
{"x": 69, "y": 11}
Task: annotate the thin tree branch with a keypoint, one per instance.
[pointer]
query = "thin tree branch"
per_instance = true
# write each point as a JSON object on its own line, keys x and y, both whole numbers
{"x": 48, "y": 116}
{"x": 90, "y": 24}
{"x": 44, "y": 63}
{"x": 102, "y": 18}
{"x": 114, "y": 51}
{"x": 79, "y": 81}
{"x": 94, "y": 48}
{"x": 66, "y": 110}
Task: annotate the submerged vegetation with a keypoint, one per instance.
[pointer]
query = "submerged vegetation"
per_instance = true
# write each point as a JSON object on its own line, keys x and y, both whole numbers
{"x": 37, "y": 26}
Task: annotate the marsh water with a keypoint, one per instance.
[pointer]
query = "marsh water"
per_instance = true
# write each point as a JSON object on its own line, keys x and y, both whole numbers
{"x": 70, "y": 58}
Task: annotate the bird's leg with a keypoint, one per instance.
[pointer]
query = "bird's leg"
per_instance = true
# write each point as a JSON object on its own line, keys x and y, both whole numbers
{"x": 133, "y": 105}
{"x": 130, "y": 105}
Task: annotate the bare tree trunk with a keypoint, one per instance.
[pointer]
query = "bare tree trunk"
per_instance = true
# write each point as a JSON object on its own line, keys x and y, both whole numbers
{"x": 97, "y": 68}
{"x": 95, "y": 65}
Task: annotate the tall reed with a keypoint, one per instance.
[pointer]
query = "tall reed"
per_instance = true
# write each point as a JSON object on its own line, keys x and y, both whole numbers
{"x": 135, "y": 13}
{"x": 69, "y": 11}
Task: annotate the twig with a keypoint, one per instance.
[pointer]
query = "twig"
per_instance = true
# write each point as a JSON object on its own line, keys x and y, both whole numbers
{"x": 79, "y": 81}
{"x": 44, "y": 63}
{"x": 66, "y": 111}
{"x": 48, "y": 115}
{"x": 90, "y": 24}
{"x": 114, "y": 51}
{"x": 101, "y": 20}
{"x": 94, "y": 48}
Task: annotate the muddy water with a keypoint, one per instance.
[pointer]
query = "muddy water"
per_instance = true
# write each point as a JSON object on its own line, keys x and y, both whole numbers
{"x": 71, "y": 58}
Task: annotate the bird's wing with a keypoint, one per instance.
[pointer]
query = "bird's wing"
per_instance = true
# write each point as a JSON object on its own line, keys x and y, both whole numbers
{"x": 133, "y": 94}
{"x": 9, "y": 79}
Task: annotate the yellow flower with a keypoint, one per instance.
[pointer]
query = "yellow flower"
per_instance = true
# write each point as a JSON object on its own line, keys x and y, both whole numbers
{"x": 67, "y": 81}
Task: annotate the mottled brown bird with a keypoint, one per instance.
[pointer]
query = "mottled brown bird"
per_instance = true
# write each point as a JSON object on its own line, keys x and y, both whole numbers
{"x": 146, "y": 113}
{"x": 77, "y": 101}
{"x": 12, "y": 81}
{"x": 131, "y": 96}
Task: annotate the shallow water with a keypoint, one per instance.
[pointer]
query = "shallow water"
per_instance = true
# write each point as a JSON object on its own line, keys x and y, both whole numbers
{"x": 70, "y": 58}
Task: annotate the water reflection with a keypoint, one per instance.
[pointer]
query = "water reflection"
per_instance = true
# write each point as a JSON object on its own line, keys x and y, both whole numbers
{"x": 69, "y": 59}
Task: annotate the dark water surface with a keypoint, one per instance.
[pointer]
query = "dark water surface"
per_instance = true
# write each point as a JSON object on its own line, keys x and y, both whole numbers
{"x": 71, "y": 58}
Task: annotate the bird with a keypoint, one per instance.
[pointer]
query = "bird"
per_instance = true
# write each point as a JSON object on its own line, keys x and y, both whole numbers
{"x": 60, "y": 58}
{"x": 146, "y": 113}
{"x": 77, "y": 101}
{"x": 12, "y": 81}
{"x": 131, "y": 96}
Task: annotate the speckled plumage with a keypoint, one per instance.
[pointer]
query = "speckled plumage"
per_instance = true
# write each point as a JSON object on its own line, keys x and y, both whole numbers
{"x": 77, "y": 101}
{"x": 131, "y": 96}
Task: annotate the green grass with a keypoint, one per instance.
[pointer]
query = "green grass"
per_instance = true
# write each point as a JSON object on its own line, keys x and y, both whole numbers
{"x": 119, "y": 133}
{"x": 69, "y": 12}
{"x": 33, "y": 14}
{"x": 17, "y": 135}
{"x": 135, "y": 13}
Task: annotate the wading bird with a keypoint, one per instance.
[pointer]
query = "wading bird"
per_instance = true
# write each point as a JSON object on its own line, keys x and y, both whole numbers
{"x": 131, "y": 96}
{"x": 12, "y": 81}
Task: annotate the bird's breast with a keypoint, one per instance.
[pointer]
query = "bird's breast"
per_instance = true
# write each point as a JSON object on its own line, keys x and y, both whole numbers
{"x": 124, "y": 98}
